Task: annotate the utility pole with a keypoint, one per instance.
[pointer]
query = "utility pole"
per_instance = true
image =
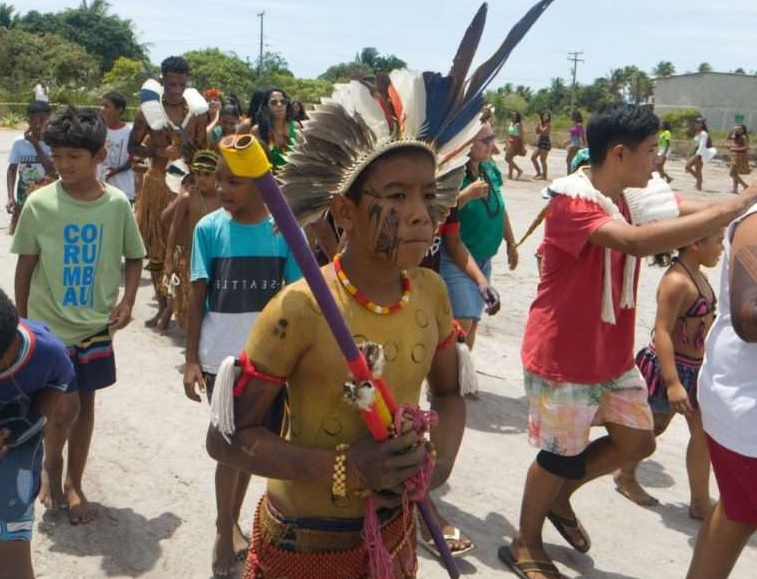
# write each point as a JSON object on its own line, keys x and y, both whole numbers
{"x": 260, "y": 58}
{"x": 573, "y": 57}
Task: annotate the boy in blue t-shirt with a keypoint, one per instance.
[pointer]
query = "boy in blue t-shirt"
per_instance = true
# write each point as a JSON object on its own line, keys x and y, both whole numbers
{"x": 35, "y": 371}
{"x": 238, "y": 264}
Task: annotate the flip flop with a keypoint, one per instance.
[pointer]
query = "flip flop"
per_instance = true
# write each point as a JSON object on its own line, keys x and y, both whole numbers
{"x": 523, "y": 568}
{"x": 562, "y": 524}
{"x": 430, "y": 546}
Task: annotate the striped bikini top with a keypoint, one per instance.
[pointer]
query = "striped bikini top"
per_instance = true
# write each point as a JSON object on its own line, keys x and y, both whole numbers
{"x": 701, "y": 308}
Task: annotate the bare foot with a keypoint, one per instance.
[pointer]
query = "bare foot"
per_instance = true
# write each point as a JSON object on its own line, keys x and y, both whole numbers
{"x": 164, "y": 318}
{"x": 241, "y": 543}
{"x": 51, "y": 490}
{"x": 153, "y": 321}
{"x": 80, "y": 512}
{"x": 224, "y": 558}
{"x": 630, "y": 488}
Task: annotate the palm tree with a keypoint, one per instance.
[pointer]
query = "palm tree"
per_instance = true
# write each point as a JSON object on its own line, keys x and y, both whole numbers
{"x": 8, "y": 16}
{"x": 663, "y": 68}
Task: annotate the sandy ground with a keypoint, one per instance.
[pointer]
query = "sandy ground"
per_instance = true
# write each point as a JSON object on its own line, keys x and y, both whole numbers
{"x": 153, "y": 482}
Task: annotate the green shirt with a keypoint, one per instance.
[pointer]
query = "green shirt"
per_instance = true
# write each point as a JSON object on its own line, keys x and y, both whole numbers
{"x": 482, "y": 221}
{"x": 663, "y": 139}
{"x": 80, "y": 244}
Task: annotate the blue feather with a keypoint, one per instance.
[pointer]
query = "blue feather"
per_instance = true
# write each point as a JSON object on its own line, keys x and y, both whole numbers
{"x": 449, "y": 121}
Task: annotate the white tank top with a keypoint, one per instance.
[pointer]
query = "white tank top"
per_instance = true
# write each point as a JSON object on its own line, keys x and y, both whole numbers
{"x": 728, "y": 377}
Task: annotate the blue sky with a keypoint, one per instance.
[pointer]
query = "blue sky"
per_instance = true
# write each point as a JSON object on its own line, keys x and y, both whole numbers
{"x": 314, "y": 34}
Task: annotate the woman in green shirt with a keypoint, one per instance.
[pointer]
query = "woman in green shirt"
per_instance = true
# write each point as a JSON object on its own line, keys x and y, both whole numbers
{"x": 483, "y": 225}
{"x": 663, "y": 149}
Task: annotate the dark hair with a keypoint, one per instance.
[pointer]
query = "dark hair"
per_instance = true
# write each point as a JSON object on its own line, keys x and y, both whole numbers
{"x": 619, "y": 124}
{"x": 355, "y": 192}
{"x": 302, "y": 115}
{"x": 253, "y": 109}
{"x": 8, "y": 322}
{"x": 231, "y": 108}
{"x": 174, "y": 64}
{"x": 666, "y": 126}
{"x": 263, "y": 120}
{"x": 516, "y": 117}
{"x": 77, "y": 128}
{"x": 36, "y": 107}
{"x": 577, "y": 117}
{"x": 702, "y": 121}
{"x": 118, "y": 100}
{"x": 541, "y": 116}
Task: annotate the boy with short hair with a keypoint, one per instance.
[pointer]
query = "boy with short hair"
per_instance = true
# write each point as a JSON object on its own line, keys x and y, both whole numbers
{"x": 35, "y": 371}
{"x": 238, "y": 264}
{"x": 71, "y": 237}
{"x": 577, "y": 352}
{"x": 116, "y": 168}
{"x": 199, "y": 196}
{"x": 29, "y": 164}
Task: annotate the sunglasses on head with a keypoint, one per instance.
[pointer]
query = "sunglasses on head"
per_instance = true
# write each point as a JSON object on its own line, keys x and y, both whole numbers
{"x": 278, "y": 102}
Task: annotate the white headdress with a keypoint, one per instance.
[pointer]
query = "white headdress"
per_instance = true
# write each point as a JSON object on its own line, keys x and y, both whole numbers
{"x": 405, "y": 109}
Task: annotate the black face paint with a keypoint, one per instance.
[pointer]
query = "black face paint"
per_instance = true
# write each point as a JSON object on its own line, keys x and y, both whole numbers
{"x": 280, "y": 329}
{"x": 388, "y": 241}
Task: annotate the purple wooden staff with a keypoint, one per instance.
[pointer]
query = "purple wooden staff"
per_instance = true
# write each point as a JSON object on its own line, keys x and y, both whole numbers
{"x": 258, "y": 168}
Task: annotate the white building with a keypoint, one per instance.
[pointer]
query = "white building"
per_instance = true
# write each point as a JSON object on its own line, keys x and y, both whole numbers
{"x": 724, "y": 99}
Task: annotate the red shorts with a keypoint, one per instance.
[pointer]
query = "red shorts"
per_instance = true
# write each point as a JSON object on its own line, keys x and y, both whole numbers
{"x": 736, "y": 475}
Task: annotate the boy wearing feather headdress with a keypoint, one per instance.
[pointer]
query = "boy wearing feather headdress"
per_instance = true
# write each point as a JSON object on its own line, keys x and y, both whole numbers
{"x": 598, "y": 223}
{"x": 174, "y": 118}
{"x": 388, "y": 165}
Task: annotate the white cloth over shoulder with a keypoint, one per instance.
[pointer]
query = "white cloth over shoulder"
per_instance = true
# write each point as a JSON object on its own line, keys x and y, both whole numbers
{"x": 653, "y": 203}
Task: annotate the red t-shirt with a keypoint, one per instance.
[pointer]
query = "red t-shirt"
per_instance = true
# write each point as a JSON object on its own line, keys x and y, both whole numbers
{"x": 565, "y": 338}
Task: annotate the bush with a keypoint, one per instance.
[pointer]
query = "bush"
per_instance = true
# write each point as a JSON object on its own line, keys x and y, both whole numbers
{"x": 12, "y": 120}
{"x": 682, "y": 121}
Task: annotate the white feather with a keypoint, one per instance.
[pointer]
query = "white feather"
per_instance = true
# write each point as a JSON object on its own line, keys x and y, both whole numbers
{"x": 412, "y": 92}
{"x": 366, "y": 106}
{"x": 454, "y": 153}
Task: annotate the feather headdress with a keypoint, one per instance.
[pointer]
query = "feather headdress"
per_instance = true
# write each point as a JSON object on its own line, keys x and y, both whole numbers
{"x": 405, "y": 109}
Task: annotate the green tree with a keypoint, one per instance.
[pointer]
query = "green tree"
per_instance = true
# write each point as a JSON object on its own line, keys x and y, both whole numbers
{"x": 739, "y": 70}
{"x": 346, "y": 71}
{"x": 663, "y": 68}
{"x": 9, "y": 17}
{"x": 27, "y": 58}
{"x": 225, "y": 70}
{"x": 126, "y": 76}
{"x": 704, "y": 67}
{"x": 367, "y": 62}
{"x": 102, "y": 34}
{"x": 593, "y": 97}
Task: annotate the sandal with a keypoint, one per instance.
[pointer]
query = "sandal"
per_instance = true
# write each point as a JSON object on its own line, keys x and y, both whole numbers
{"x": 565, "y": 524}
{"x": 456, "y": 536}
{"x": 523, "y": 568}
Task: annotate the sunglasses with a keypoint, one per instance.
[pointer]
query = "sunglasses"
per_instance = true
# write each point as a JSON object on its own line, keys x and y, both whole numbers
{"x": 278, "y": 102}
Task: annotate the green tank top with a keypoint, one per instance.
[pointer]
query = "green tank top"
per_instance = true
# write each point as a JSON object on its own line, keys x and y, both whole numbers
{"x": 278, "y": 154}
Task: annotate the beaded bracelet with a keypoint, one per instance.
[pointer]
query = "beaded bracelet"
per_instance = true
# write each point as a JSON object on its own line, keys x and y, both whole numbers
{"x": 339, "y": 477}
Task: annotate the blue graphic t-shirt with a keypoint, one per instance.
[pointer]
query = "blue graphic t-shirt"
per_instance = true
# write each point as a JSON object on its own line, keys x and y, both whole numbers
{"x": 79, "y": 246}
{"x": 42, "y": 362}
{"x": 244, "y": 266}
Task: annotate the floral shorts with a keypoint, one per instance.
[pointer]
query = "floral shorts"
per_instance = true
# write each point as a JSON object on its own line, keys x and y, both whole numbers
{"x": 561, "y": 414}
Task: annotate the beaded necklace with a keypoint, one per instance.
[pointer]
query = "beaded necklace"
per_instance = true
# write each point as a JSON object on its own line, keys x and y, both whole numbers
{"x": 363, "y": 300}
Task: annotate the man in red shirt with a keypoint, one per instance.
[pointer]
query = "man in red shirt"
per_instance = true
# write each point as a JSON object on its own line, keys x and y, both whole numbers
{"x": 577, "y": 349}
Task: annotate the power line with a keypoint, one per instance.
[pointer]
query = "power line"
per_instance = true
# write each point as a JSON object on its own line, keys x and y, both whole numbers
{"x": 573, "y": 57}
